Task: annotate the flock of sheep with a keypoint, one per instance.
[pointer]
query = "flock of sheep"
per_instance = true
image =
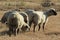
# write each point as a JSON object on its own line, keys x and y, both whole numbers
{"x": 17, "y": 20}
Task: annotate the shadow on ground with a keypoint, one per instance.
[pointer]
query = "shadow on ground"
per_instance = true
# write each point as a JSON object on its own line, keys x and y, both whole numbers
{"x": 6, "y": 32}
{"x": 3, "y": 33}
{"x": 52, "y": 33}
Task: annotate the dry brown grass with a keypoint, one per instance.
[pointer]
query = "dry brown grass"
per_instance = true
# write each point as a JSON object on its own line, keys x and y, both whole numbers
{"x": 52, "y": 29}
{"x": 22, "y": 4}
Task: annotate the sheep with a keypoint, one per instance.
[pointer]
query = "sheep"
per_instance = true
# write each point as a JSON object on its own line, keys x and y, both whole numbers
{"x": 30, "y": 14}
{"x": 26, "y": 19}
{"x": 15, "y": 21}
{"x": 40, "y": 17}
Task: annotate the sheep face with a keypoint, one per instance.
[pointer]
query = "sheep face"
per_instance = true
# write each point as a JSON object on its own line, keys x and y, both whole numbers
{"x": 53, "y": 12}
{"x": 5, "y": 16}
{"x": 25, "y": 28}
{"x": 3, "y": 20}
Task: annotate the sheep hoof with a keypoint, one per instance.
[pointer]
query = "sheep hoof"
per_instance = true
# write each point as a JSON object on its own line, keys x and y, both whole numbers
{"x": 38, "y": 30}
{"x": 14, "y": 34}
{"x": 33, "y": 30}
{"x": 9, "y": 34}
{"x": 43, "y": 30}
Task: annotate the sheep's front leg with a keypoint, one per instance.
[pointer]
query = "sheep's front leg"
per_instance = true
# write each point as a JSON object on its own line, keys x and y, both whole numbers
{"x": 44, "y": 23}
{"x": 10, "y": 31}
{"x": 15, "y": 32}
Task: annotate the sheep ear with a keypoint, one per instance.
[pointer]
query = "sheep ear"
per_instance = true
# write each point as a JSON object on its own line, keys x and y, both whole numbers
{"x": 52, "y": 11}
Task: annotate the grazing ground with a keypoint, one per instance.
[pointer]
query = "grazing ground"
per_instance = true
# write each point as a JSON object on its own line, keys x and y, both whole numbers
{"x": 52, "y": 31}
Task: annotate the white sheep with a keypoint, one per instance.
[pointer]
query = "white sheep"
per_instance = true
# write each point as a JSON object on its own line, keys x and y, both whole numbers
{"x": 39, "y": 17}
{"x": 15, "y": 21}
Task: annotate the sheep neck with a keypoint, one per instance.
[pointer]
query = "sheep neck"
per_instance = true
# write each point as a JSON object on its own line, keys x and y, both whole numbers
{"x": 47, "y": 13}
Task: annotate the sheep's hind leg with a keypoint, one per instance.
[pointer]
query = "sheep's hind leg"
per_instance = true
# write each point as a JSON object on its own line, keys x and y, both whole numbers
{"x": 39, "y": 26}
{"x": 30, "y": 23}
{"x": 34, "y": 28}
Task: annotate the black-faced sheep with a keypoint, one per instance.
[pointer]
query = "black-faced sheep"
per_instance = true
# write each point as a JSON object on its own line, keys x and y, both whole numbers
{"x": 39, "y": 17}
